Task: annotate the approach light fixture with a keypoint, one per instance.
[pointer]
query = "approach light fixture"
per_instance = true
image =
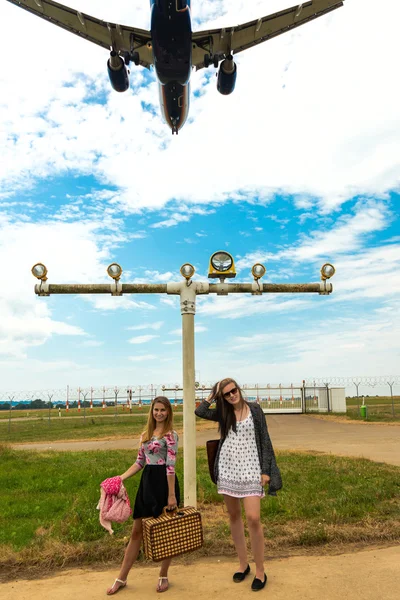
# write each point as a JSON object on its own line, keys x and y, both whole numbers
{"x": 221, "y": 266}
{"x": 39, "y": 271}
{"x": 115, "y": 271}
{"x": 187, "y": 271}
{"x": 258, "y": 270}
{"x": 327, "y": 271}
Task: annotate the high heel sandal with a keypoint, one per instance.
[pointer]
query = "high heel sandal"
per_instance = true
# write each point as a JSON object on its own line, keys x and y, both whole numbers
{"x": 123, "y": 584}
{"x": 160, "y": 580}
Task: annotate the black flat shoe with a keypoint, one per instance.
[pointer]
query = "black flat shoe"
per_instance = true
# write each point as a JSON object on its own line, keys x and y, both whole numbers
{"x": 238, "y": 576}
{"x": 257, "y": 584}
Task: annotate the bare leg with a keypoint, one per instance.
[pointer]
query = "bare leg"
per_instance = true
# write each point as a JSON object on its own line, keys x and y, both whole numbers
{"x": 163, "y": 578}
{"x": 237, "y": 530}
{"x": 252, "y": 510}
{"x": 131, "y": 554}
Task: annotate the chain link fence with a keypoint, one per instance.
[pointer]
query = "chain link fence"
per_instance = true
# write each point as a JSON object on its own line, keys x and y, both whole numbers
{"x": 90, "y": 405}
{"x": 362, "y": 401}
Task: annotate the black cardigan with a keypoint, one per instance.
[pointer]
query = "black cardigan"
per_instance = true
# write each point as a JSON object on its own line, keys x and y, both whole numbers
{"x": 266, "y": 453}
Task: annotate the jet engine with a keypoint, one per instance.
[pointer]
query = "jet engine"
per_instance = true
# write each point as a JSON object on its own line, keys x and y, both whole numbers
{"x": 117, "y": 72}
{"x": 227, "y": 76}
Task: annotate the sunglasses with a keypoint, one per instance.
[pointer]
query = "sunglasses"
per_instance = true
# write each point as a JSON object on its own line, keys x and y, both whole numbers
{"x": 232, "y": 391}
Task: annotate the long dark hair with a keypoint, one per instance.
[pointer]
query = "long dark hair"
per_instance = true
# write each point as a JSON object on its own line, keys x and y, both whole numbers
{"x": 225, "y": 411}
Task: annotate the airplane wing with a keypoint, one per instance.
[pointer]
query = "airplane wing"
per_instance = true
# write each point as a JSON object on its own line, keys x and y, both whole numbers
{"x": 220, "y": 42}
{"x": 124, "y": 40}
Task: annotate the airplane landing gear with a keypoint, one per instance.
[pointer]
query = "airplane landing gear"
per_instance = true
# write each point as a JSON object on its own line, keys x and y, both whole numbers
{"x": 131, "y": 57}
{"x": 211, "y": 60}
{"x": 135, "y": 58}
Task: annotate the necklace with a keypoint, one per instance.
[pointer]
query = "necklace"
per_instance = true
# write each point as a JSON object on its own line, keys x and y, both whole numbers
{"x": 239, "y": 414}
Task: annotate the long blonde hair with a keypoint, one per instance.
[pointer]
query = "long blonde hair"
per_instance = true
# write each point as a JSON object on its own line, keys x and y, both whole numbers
{"x": 151, "y": 422}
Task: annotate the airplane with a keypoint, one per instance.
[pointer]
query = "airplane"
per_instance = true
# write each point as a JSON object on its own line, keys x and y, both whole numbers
{"x": 172, "y": 47}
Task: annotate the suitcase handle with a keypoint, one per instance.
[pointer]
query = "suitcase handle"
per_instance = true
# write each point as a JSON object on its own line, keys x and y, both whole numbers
{"x": 175, "y": 512}
{"x": 169, "y": 513}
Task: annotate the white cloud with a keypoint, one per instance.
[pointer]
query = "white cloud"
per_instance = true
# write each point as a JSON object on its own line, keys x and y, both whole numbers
{"x": 367, "y": 274}
{"x": 237, "y": 306}
{"x": 346, "y": 235}
{"x": 157, "y": 277}
{"x": 312, "y": 120}
{"x": 172, "y": 301}
{"x": 138, "y": 235}
{"x": 364, "y": 344}
{"x": 108, "y": 302}
{"x": 71, "y": 254}
{"x": 173, "y": 220}
{"x": 142, "y": 339}
{"x": 157, "y": 325}
{"x": 51, "y": 128}
{"x": 22, "y": 328}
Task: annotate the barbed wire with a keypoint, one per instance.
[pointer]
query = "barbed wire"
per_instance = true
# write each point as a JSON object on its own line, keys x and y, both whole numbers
{"x": 368, "y": 380}
{"x": 117, "y": 393}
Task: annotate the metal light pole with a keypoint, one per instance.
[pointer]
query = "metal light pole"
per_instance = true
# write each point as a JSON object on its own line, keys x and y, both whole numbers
{"x": 221, "y": 267}
{"x": 50, "y": 396}
{"x": 357, "y": 384}
{"x": 11, "y": 398}
{"x": 390, "y": 384}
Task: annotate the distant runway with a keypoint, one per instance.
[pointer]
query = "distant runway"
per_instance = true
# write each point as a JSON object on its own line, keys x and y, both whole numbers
{"x": 378, "y": 442}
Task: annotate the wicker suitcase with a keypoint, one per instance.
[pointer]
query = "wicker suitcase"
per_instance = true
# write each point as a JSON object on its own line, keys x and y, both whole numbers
{"x": 172, "y": 534}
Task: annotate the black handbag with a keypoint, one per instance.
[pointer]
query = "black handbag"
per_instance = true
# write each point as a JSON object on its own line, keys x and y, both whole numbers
{"x": 212, "y": 448}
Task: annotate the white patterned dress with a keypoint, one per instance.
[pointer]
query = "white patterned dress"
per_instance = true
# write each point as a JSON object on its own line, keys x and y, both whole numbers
{"x": 239, "y": 471}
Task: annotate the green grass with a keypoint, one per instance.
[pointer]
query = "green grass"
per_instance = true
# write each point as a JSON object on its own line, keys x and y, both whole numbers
{"x": 379, "y": 414}
{"x": 49, "y": 518}
{"x": 374, "y": 415}
{"x": 379, "y": 409}
{"x": 73, "y": 412}
{"x": 75, "y": 429}
{"x": 373, "y": 400}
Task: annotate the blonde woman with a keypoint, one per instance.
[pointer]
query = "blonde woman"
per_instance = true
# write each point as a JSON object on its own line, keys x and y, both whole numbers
{"x": 244, "y": 464}
{"x": 158, "y": 486}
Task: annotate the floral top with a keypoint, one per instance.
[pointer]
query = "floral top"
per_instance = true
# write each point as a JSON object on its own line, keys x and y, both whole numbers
{"x": 159, "y": 451}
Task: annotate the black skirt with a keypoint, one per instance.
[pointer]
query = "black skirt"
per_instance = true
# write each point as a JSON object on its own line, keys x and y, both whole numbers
{"x": 152, "y": 495}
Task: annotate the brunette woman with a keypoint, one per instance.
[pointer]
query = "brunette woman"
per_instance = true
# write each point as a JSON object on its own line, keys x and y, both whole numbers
{"x": 158, "y": 486}
{"x": 244, "y": 464}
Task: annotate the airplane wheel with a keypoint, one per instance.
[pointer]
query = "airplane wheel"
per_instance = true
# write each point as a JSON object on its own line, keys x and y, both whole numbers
{"x": 216, "y": 62}
{"x": 135, "y": 58}
{"x": 207, "y": 60}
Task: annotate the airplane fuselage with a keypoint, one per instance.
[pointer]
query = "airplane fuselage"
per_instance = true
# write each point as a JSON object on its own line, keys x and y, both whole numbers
{"x": 171, "y": 33}
{"x": 172, "y": 47}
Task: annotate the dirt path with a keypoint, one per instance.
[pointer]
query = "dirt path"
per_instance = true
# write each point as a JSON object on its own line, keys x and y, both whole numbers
{"x": 365, "y": 575}
{"x": 288, "y": 432}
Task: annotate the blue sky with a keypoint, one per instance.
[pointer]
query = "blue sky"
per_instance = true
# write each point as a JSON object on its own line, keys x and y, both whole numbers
{"x": 299, "y": 166}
